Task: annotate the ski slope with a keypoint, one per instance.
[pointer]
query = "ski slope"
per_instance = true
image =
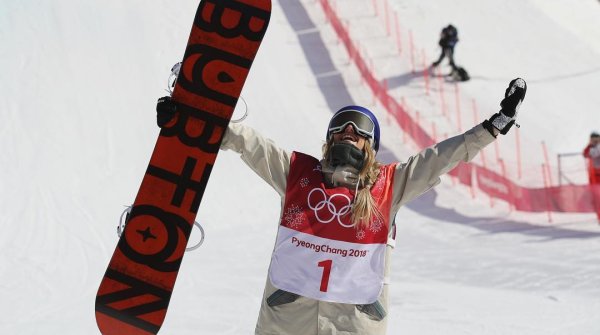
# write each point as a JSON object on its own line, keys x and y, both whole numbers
{"x": 77, "y": 97}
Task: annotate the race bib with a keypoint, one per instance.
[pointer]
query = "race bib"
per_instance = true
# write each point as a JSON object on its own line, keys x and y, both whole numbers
{"x": 327, "y": 270}
{"x": 319, "y": 252}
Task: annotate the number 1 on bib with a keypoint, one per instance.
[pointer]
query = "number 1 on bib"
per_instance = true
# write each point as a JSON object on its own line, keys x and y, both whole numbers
{"x": 326, "y": 265}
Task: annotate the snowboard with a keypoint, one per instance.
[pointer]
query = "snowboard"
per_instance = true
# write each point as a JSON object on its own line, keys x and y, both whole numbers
{"x": 135, "y": 291}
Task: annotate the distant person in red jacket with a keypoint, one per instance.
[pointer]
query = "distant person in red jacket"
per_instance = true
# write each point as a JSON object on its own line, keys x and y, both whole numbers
{"x": 592, "y": 152}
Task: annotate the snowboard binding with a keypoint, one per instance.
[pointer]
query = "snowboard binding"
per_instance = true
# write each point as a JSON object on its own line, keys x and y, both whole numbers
{"x": 124, "y": 218}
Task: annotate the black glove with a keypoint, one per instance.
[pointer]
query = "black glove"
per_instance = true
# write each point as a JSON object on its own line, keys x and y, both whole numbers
{"x": 281, "y": 297}
{"x": 165, "y": 110}
{"x": 375, "y": 311}
{"x": 513, "y": 97}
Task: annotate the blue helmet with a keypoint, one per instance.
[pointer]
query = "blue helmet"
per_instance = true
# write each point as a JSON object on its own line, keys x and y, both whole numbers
{"x": 364, "y": 122}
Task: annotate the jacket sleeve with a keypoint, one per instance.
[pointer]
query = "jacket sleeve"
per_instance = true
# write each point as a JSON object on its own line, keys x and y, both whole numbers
{"x": 422, "y": 171}
{"x": 262, "y": 155}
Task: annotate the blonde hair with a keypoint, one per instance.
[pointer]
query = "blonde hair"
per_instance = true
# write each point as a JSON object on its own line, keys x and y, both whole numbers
{"x": 364, "y": 207}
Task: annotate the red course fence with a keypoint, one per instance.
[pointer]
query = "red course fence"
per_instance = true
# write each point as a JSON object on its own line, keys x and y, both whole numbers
{"x": 566, "y": 198}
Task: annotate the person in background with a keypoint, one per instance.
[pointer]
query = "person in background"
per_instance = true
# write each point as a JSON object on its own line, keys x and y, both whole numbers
{"x": 330, "y": 265}
{"x": 592, "y": 153}
{"x": 448, "y": 40}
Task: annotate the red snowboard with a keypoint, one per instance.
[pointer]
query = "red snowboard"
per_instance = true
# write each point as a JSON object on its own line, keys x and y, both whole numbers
{"x": 135, "y": 291}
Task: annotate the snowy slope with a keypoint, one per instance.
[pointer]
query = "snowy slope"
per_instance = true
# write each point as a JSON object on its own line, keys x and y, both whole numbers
{"x": 77, "y": 95}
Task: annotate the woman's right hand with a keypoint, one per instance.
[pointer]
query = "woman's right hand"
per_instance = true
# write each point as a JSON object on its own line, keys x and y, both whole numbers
{"x": 165, "y": 110}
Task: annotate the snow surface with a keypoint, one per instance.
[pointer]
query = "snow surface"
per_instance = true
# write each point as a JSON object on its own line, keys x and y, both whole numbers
{"x": 77, "y": 96}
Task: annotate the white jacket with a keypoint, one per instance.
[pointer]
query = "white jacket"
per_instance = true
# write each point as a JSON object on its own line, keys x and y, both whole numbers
{"x": 412, "y": 178}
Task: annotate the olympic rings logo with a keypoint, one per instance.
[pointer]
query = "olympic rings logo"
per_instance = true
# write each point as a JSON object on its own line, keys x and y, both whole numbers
{"x": 327, "y": 202}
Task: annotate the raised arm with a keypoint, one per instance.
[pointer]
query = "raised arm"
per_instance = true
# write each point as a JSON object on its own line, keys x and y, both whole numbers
{"x": 262, "y": 155}
{"x": 423, "y": 171}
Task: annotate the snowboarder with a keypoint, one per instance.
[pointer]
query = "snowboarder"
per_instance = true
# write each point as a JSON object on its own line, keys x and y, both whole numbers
{"x": 448, "y": 40}
{"x": 329, "y": 271}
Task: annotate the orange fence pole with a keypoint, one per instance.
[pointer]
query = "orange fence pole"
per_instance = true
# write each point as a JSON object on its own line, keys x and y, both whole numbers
{"x": 417, "y": 125}
{"x": 458, "y": 116}
{"x": 505, "y": 176}
{"x": 412, "y": 50}
{"x": 545, "y": 151}
{"x": 497, "y": 151}
{"x": 398, "y": 37}
{"x": 442, "y": 98}
{"x": 547, "y": 188}
{"x": 425, "y": 73}
{"x": 388, "y": 30}
{"x": 518, "y": 143}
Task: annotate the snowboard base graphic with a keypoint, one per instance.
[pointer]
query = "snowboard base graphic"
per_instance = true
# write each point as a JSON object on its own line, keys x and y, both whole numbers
{"x": 135, "y": 291}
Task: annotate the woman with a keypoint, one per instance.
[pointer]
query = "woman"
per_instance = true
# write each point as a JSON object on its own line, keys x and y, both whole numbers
{"x": 330, "y": 264}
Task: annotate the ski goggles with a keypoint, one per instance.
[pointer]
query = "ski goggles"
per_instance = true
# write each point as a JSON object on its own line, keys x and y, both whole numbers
{"x": 363, "y": 125}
